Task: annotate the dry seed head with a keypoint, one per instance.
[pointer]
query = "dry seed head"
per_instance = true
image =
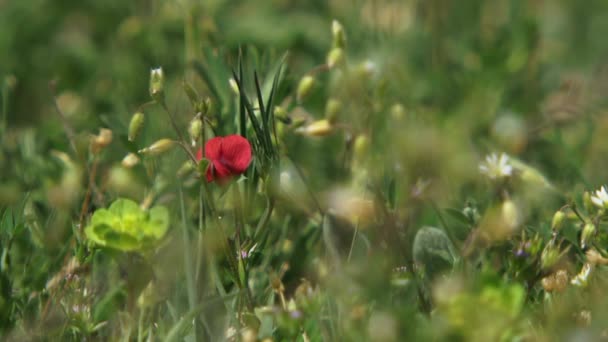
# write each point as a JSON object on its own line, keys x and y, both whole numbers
{"x": 319, "y": 128}
{"x": 100, "y": 141}
{"x": 160, "y": 146}
{"x": 130, "y": 160}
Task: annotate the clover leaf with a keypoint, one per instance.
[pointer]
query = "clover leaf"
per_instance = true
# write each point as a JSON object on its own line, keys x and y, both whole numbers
{"x": 127, "y": 227}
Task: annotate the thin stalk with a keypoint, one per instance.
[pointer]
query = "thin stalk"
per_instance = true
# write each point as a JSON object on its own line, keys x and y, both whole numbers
{"x": 187, "y": 259}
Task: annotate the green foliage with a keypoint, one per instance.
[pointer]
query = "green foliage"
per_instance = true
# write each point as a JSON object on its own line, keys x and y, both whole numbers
{"x": 371, "y": 123}
{"x": 125, "y": 226}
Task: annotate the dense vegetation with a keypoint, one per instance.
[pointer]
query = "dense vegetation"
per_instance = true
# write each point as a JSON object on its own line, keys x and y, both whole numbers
{"x": 382, "y": 170}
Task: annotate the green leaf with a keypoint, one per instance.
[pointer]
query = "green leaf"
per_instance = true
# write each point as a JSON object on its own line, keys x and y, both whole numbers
{"x": 127, "y": 227}
{"x": 433, "y": 250}
{"x": 158, "y": 222}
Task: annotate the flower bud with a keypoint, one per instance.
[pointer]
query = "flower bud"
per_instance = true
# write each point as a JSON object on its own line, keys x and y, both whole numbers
{"x": 281, "y": 114}
{"x": 194, "y": 129}
{"x": 130, "y": 160}
{"x": 582, "y": 279}
{"x": 510, "y": 214}
{"x": 135, "y": 126}
{"x": 102, "y": 140}
{"x": 335, "y": 57}
{"x": 550, "y": 256}
{"x": 361, "y": 147}
{"x": 338, "y": 35}
{"x": 595, "y": 258}
{"x": 332, "y": 108}
{"x": 158, "y": 147}
{"x": 304, "y": 87}
{"x": 157, "y": 80}
{"x": 318, "y": 128}
{"x": 185, "y": 169}
{"x": 588, "y": 232}
{"x": 558, "y": 220}
{"x": 556, "y": 282}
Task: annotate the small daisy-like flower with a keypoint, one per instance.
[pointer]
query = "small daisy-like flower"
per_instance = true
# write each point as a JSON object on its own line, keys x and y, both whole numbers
{"x": 496, "y": 167}
{"x": 600, "y": 198}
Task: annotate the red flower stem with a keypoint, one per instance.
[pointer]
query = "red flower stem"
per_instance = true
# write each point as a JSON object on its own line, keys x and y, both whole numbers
{"x": 230, "y": 256}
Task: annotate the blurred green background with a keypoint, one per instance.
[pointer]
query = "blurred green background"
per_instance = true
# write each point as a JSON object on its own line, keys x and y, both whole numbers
{"x": 433, "y": 84}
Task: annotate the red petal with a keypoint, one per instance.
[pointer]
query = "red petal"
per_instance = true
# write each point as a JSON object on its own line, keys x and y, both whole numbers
{"x": 199, "y": 154}
{"x": 213, "y": 148}
{"x": 235, "y": 153}
{"x": 220, "y": 171}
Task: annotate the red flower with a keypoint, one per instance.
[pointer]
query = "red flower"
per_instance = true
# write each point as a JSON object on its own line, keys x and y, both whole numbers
{"x": 228, "y": 156}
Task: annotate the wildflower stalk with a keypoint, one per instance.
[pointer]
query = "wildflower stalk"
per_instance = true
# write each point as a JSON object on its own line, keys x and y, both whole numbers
{"x": 187, "y": 258}
{"x": 231, "y": 257}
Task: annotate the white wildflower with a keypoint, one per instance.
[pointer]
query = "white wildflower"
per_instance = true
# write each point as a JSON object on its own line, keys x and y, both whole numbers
{"x": 600, "y": 198}
{"x": 496, "y": 167}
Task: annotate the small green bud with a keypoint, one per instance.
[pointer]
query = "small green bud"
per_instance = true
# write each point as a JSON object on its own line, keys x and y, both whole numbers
{"x": 335, "y": 57}
{"x": 582, "y": 278}
{"x": 194, "y": 129}
{"x": 588, "y": 232}
{"x": 158, "y": 147}
{"x": 304, "y": 87}
{"x": 186, "y": 168}
{"x": 135, "y": 126}
{"x": 549, "y": 257}
{"x": 361, "y": 147}
{"x": 332, "y": 108}
{"x": 281, "y": 114}
{"x": 510, "y": 214}
{"x": 338, "y": 35}
{"x": 397, "y": 111}
{"x": 157, "y": 81}
{"x": 558, "y": 220}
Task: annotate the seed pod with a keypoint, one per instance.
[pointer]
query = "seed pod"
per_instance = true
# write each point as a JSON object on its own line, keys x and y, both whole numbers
{"x": 194, "y": 129}
{"x": 588, "y": 231}
{"x": 558, "y": 220}
{"x": 102, "y": 140}
{"x": 332, "y": 108}
{"x": 338, "y": 35}
{"x": 130, "y": 160}
{"x": 135, "y": 126}
{"x": 186, "y": 168}
{"x": 335, "y": 57}
{"x": 158, "y": 147}
{"x": 317, "y": 129}
{"x": 304, "y": 87}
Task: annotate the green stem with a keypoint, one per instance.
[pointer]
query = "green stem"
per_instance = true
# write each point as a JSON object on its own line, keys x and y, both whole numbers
{"x": 187, "y": 258}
